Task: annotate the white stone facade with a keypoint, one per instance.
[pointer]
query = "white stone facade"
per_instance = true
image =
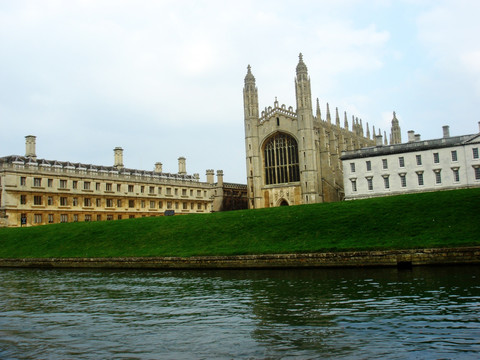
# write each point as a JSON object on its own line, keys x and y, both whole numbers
{"x": 416, "y": 166}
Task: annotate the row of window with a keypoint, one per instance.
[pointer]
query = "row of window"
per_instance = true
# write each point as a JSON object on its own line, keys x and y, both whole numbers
{"x": 88, "y": 185}
{"x": 109, "y": 203}
{"x": 418, "y": 159}
{"x": 420, "y": 181}
{"x": 64, "y": 218}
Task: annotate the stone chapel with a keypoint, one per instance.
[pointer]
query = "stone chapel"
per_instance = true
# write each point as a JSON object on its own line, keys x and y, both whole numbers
{"x": 292, "y": 155}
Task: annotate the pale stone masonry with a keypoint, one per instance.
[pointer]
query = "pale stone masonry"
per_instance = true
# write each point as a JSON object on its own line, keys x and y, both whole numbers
{"x": 293, "y": 156}
{"x": 450, "y": 162}
{"x": 38, "y": 191}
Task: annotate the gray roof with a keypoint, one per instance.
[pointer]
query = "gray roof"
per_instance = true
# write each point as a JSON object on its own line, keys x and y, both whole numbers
{"x": 23, "y": 160}
{"x": 410, "y": 147}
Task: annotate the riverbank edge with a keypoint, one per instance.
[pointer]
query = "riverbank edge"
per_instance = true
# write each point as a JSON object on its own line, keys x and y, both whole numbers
{"x": 378, "y": 258}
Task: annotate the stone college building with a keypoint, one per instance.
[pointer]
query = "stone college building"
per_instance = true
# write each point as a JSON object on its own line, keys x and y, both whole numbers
{"x": 39, "y": 191}
{"x": 293, "y": 156}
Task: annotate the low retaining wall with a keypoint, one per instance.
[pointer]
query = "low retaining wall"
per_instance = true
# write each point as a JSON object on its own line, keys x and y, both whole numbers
{"x": 401, "y": 258}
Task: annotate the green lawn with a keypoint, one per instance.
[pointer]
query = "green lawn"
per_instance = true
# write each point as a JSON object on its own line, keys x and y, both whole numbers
{"x": 438, "y": 219}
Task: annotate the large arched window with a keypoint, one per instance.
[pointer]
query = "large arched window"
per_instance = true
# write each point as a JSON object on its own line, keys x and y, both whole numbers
{"x": 281, "y": 160}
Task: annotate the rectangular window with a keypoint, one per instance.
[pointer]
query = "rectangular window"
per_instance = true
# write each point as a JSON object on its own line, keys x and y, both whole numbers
{"x": 199, "y": 206}
{"x": 23, "y": 199}
{"x": 475, "y": 153}
{"x": 88, "y": 217}
{"x": 369, "y": 165}
{"x": 160, "y": 204}
{"x": 131, "y": 203}
{"x": 23, "y": 181}
{"x": 176, "y": 192}
{"x": 184, "y": 192}
{"x": 419, "y": 159}
{"x": 354, "y": 185}
{"x": 37, "y": 181}
{"x": 75, "y": 217}
{"x": 50, "y": 200}
{"x": 385, "y": 164}
{"x": 191, "y": 192}
{"x": 87, "y": 202}
{"x": 142, "y": 189}
{"x": 142, "y": 204}
{"x": 130, "y": 188}
{"x": 370, "y": 183}
{"x": 438, "y": 177}
{"x": 199, "y": 193}
{"x": 108, "y": 187}
{"x": 37, "y": 200}
{"x": 401, "y": 161}
{"x": 169, "y": 191}
{"x": 477, "y": 173}
{"x": 63, "y": 218}
{"x": 109, "y": 217}
{"x": 99, "y": 217}
{"x": 420, "y": 178}
{"x": 75, "y": 201}
{"x": 403, "y": 180}
{"x": 386, "y": 182}
{"x": 151, "y": 189}
{"x": 63, "y": 201}
{"x": 454, "y": 155}
{"x": 456, "y": 175}
{"x": 184, "y": 206}
{"x": 152, "y": 204}
{"x": 86, "y": 185}
{"x": 50, "y": 218}
{"x": 352, "y": 167}
{"x": 159, "y": 190}
{"x": 50, "y": 182}
{"x": 74, "y": 184}
{"x": 169, "y": 204}
{"x": 119, "y": 187}
{"x": 97, "y": 186}
{"x": 109, "y": 203}
{"x": 63, "y": 184}
{"x": 192, "y": 206}
{"x": 98, "y": 202}
{"x": 119, "y": 203}
{"x": 436, "y": 158}
{"x": 37, "y": 218}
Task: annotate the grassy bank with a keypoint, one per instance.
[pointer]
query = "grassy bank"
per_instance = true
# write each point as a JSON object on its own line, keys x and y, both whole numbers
{"x": 440, "y": 219}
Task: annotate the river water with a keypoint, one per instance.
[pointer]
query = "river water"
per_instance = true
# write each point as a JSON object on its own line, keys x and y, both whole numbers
{"x": 425, "y": 312}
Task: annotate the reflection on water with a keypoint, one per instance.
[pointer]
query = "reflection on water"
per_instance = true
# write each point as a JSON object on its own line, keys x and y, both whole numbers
{"x": 335, "y": 313}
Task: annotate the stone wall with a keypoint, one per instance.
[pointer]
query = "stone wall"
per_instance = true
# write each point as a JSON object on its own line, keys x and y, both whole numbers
{"x": 393, "y": 258}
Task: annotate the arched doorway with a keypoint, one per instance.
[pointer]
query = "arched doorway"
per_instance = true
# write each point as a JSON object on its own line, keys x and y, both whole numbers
{"x": 284, "y": 203}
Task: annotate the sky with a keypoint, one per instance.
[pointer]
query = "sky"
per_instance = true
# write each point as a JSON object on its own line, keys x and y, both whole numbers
{"x": 164, "y": 79}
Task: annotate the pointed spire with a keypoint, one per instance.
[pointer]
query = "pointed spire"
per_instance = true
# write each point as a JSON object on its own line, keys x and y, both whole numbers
{"x": 329, "y": 119}
{"x": 301, "y": 67}
{"x": 385, "y": 138}
{"x": 337, "y": 118}
{"x": 368, "y": 132}
{"x": 249, "y": 78}
{"x": 319, "y": 114}
{"x": 345, "y": 122}
{"x": 395, "y": 134}
{"x": 373, "y": 131}
{"x": 275, "y": 104}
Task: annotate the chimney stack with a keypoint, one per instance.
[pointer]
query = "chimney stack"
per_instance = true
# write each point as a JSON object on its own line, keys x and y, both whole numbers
{"x": 378, "y": 140}
{"x": 210, "y": 175}
{"x": 411, "y": 136}
{"x": 417, "y": 137}
{"x": 220, "y": 177}
{"x": 30, "y": 147}
{"x": 158, "y": 167}
{"x": 446, "y": 131}
{"x": 118, "y": 158}
{"x": 182, "y": 167}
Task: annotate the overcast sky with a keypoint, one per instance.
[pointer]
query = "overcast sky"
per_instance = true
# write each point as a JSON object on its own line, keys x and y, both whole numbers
{"x": 164, "y": 79}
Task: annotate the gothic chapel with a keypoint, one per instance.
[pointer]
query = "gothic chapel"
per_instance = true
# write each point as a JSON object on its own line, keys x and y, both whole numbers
{"x": 292, "y": 156}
